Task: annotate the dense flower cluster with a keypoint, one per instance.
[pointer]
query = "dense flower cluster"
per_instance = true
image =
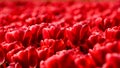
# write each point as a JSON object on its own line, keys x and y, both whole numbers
{"x": 59, "y": 35}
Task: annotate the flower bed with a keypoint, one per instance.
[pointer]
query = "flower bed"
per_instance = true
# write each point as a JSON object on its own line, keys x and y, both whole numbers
{"x": 59, "y": 35}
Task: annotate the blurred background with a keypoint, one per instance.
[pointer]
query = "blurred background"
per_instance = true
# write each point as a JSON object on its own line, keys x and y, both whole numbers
{"x": 62, "y": 0}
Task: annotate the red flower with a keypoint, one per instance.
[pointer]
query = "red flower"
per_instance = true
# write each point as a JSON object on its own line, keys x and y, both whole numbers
{"x": 9, "y": 37}
{"x": 10, "y": 54}
{"x": 10, "y": 46}
{"x": 32, "y": 57}
{"x": 26, "y": 58}
{"x": 52, "y": 32}
{"x": 14, "y": 65}
{"x": 113, "y": 33}
{"x": 62, "y": 59}
{"x": 112, "y": 60}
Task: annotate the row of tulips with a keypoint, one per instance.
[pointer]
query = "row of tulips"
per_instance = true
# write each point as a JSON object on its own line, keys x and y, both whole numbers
{"x": 59, "y": 34}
